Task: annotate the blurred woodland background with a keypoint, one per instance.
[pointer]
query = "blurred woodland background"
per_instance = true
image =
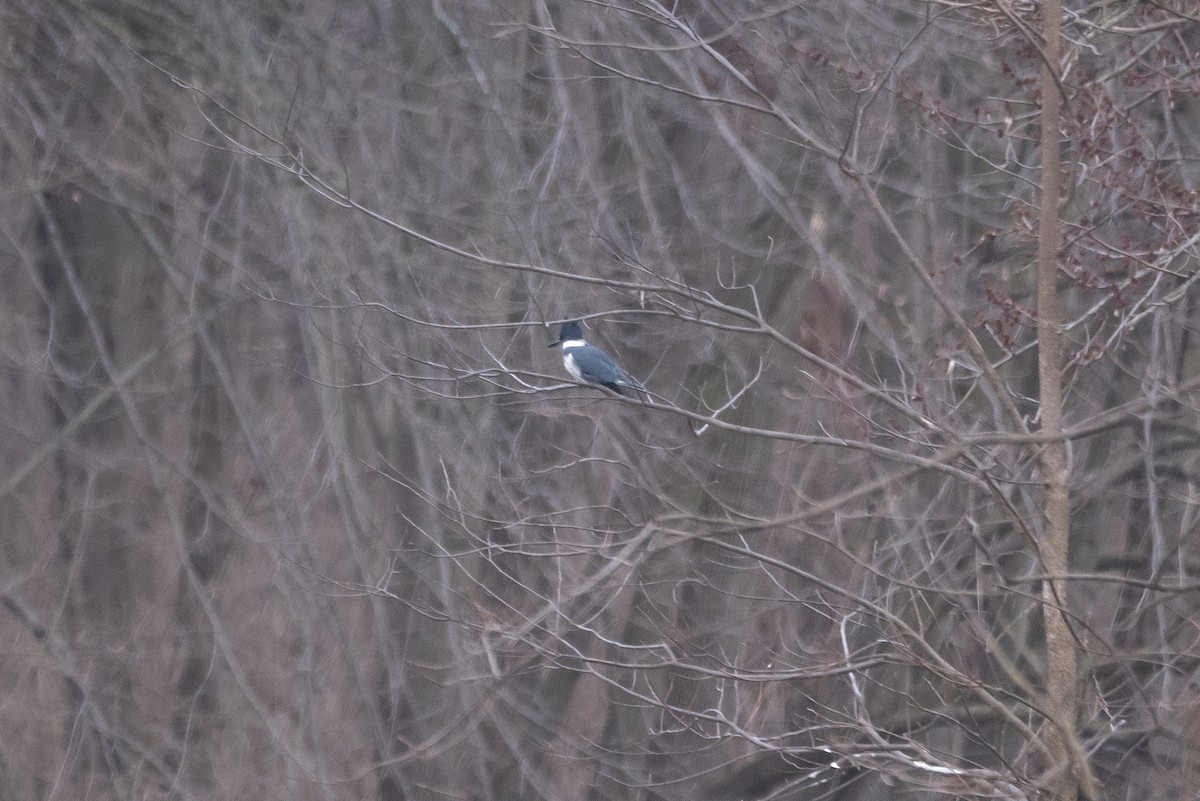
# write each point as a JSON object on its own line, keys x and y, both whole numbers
{"x": 298, "y": 505}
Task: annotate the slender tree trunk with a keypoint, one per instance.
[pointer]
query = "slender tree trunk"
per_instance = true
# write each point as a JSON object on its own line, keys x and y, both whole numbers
{"x": 571, "y": 766}
{"x": 1068, "y": 765}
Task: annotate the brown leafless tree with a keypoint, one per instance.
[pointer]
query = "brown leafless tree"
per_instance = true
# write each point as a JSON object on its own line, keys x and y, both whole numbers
{"x": 299, "y": 504}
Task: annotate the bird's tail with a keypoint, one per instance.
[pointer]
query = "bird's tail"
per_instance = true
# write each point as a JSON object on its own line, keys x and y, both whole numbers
{"x": 641, "y": 388}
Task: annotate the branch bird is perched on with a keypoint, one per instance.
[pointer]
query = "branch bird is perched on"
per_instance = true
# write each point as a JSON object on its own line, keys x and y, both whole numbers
{"x": 589, "y": 364}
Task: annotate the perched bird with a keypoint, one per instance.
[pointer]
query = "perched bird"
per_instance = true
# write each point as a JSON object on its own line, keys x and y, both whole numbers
{"x": 589, "y": 364}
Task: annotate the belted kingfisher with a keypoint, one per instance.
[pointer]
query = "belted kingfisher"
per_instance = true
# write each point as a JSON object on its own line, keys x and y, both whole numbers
{"x": 589, "y": 364}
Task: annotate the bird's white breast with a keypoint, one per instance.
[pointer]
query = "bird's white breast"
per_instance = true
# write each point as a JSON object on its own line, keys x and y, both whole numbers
{"x": 569, "y": 363}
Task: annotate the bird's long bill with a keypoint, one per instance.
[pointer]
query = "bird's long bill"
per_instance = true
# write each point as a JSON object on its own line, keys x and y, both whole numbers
{"x": 555, "y": 343}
